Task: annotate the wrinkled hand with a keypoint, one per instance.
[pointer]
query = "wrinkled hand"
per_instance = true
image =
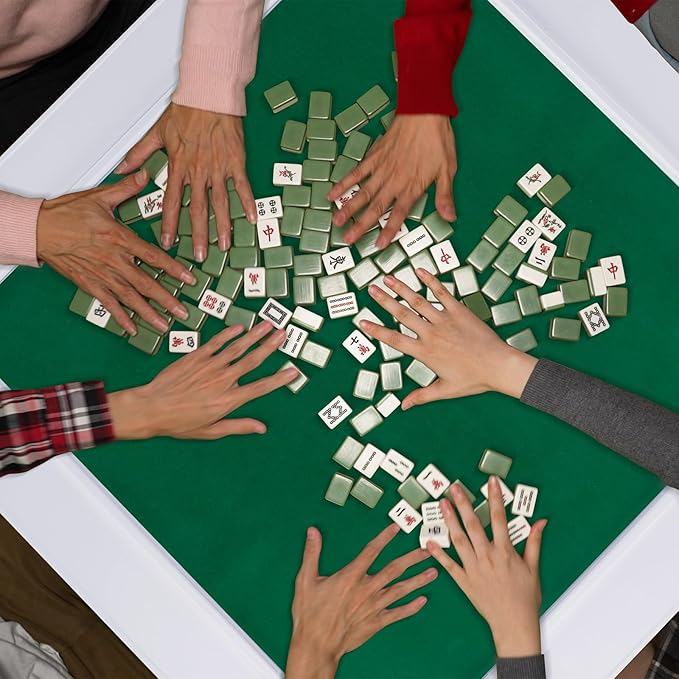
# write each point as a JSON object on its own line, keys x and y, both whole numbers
{"x": 166, "y": 407}
{"x": 468, "y": 357}
{"x": 503, "y": 587}
{"x": 79, "y": 237}
{"x": 416, "y": 151}
{"x": 205, "y": 149}
{"x": 335, "y": 614}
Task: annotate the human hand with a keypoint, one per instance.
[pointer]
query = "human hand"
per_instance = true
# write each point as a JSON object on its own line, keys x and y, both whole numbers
{"x": 468, "y": 357}
{"x": 79, "y": 237}
{"x": 415, "y": 151}
{"x": 205, "y": 149}
{"x": 333, "y": 615}
{"x": 190, "y": 398}
{"x": 502, "y": 586}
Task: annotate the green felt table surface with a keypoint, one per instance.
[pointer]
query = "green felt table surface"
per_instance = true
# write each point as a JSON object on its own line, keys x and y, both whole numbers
{"x": 234, "y": 512}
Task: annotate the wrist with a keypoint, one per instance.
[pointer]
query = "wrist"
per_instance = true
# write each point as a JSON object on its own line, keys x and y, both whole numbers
{"x": 310, "y": 657}
{"x": 42, "y": 235}
{"x": 511, "y": 372}
{"x": 518, "y": 640}
{"x": 129, "y": 414}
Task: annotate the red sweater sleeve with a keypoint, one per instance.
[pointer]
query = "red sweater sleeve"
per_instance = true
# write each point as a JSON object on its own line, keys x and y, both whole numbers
{"x": 633, "y": 9}
{"x": 429, "y": 40}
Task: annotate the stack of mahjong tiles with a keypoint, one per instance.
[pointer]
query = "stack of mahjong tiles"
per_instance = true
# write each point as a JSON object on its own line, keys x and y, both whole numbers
{"x": 420, "y": 494}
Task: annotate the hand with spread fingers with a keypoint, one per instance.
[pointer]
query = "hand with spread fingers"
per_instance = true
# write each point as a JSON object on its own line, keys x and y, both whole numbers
{"x": 205, "y": 150}
{"x": 468, "y": 357}
{"x": 79, "y": 238}
{"x": 503, "y": 586}
{"x": 161, "y": 407}
{"x": 333, "y": 615}
{"x": 416, "y": 151}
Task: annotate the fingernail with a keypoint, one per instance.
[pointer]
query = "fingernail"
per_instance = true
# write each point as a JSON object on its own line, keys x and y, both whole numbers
{"x": 493, "y": 481}
{"x": 260, "y": 429}
{"x": 280, "y": 334}
{"x": 421, "y": 272}
{"x": 389, "y": 279}
{"x": 121, "y": 167}
{"x": 180, "y": 312}
{"x": 131, "y": 330}
{"x": 432, "y": 572}
{"x": 166, "y": 241}
{"x": 161, "y": 325}
{"x": 252, "y": 217}
{"x": 199, "y": 253}
{"x": 373, "y": 290}
{"x": 222, "y": 243}
{"x": 188, "y": 277}
{"x": 339, "y": 219}
{"x": 141, "y": 177}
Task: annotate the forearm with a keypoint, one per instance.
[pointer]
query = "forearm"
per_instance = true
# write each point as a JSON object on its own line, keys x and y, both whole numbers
{"x": 219, "y": 54}
{"x": 639, "y": 429}
{"x": 39, "y": 424}
{"x": 18, "y": 229}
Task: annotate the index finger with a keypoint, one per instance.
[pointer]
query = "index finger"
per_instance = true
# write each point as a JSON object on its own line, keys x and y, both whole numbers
{"x": 155, "y": 257}
{"x": 498, "y": 517}
{"x": 171, "y": 204}
{"x": 374, "y": 548}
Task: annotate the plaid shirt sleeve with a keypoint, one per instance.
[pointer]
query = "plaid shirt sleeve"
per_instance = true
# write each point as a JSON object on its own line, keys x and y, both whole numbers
{"x": 39, "y": 424}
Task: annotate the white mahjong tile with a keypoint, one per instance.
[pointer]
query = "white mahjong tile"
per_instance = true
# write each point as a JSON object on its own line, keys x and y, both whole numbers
{"x": 254, "y": 281}
{"x": 596, "y": 281}
{"x": 533, "y": 180}
{"x": 542, "y": 254}
{"x": 519, "y": 530}
{"x": 388, "y": 404}
{"x": 552, "y": 300}
{"x": 98, "y": 314}
{"x": 524, "y": 237}
{"x": 347, "y": 196}
{"x": 434, "y": 532}
{"x": 614, "y": 271}
{"x": 397, "y": 465}
{"x": 338, "y": 260}
{"x": 160, "y": 180}
{"x": 294, "y": 340}
{"x": 433, "y": 481}
{"x": 359, "y": 346}
{"x": 531, "y": 275}
{"x": 183, "y": 341}
{"x": 432, "y": 512}
{"x": 287, "y": 174}
{"x": 444, "y": 256}
{"x": 335, "y": 412}
{"x": 593, "y": 319}
{"x": 275, "y": 313}
{"x": 416, "y": 240}
{"x": 269, "y": 207}
{"x": 342, "y": 305}
{"x": 525, "y": 498}
{"x": 405, "y": 517}
{"x": 214, "y": 304}
{"x": 268, "y": 233}
{"x": 402, "y": 230}
{"x": 379, "y": 282}
{"x": 307, "y": 319}
{"x": 550, "y": 225}
{"x": 151, "y": 204}
{"x": 369, "y": 460}
{"x": 507, "y": 495}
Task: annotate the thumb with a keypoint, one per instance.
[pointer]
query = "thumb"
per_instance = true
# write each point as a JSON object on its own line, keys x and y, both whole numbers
{"x": 149, "y": 143}
{"x": 531, "y": 554}
{"x": 312, "y": 553}
{"x": 434, "y": 392}
{"x": 445, "y": 205}
{"x": 126, "y": 188}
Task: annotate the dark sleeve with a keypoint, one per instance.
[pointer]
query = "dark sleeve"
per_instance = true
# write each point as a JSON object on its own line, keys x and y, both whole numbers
{"x": 639, "y": 429}
{"x": 429, "y": 40}
{"x": 530, "y": 667}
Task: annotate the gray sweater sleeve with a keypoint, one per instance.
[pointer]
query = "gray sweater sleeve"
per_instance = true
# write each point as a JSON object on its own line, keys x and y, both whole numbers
{"x": 530, "y": 667}
{"x": 642, "y": 431}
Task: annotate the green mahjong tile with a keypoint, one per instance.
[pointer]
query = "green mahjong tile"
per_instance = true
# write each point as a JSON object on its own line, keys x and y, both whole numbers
{"x": 477, "y": 304}
{"x": 195, "y": 291}
{"x": 496, "y": 286}
{"x": 565, "y": 269}
{"x": 413, "y": 493}
{"x": 153, "y": 272}
{"x": 308, "y": 265}
{"x": 296, "y": 196}
{"x": 81, "y": 303}
{"x": 230, "y": 184}
{"x": 482, "y": 255}
{"x": 129, "y": 212}
{"x": 347, "y": 454}
{"x": 391, "y": 257}
{"x": 316, "y": 171}
{"x": 242, "y": 258}
{"x": 449, "y": 492}
{"x": 156, "y": 228}
{"x": 317, "y": 220}
{"x": 498, "y": 232}
{"x": 115, "y": 328}
{"x": 235, "y": 206}
{"x": 523, "y": 341}
{"x": 185, "y": 248}
{"x": 279, "y": 257}
{"x": 146, "y": 340}
{"x": 215, "y": 261}
{"x": 367, "y": 492}
{"x": 529, "y": 300}
{"x": 230, "y": 283}
{"x": 511, "y": 210}
{"x": 244, "y": 233}
{"x": 366, "y": 244}
{"x": 337, "y": 235}
{"x": 320, "y": 105}
{"x": 615, "y": 302}
{"x": 171, "y": 280}
{"x": 351, "y": 119}
{"x": 342, "y": 168}
{"x": 373, "y": 101}
{"x": 293, "y": 137}
{"x": 508, "y": 260}
{"x": 339, "y": 488}
{"x": 319, "y": 193}
{"x": 356, "y": 146}
{"x": 417, "y": 210}
{"x": 335, "y": 284}
{"x": 577, "y": 244}
{"x": 303, "y": 290}
{"x": 508, "y": 312}
{"x": 276, "y": 282}
{"x": 387, "y": 119}
{"x": 320, "y": 129}
{"x": 575, "y": 291}
{"x": 291, "y": 224}
{"x": 322, "y": 149}
{"x": 238, "y": 316}
{"x": 482, "y": 511}
{"x": 314, "y": 241}
{"x": 184, "y": 223}
{"x": 554, "y": 190}
{"x": 186, "y": 195}
{"x": 280, "y": 96}
{"x": 196, "y": 319}
{"x": 168, "y": 285}
{"x": 438, "y": 227}
{"x": 564, "y": 329}
{"x": 212, "y": 235}
{"x": 155, "y": 162}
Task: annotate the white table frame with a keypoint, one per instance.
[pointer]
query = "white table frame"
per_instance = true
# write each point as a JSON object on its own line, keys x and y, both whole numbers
{"x": 118, "y": 568}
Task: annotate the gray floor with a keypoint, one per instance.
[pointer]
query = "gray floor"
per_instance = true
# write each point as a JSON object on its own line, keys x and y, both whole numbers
{"x": 660, "y": 26}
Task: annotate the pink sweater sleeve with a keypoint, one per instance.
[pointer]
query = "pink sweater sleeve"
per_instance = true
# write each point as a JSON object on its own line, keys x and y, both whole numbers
{"x": 219, "y": 54}
{"x": 18, "y": 229}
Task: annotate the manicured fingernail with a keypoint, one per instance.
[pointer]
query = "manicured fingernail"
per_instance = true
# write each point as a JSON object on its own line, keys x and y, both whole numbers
{"x": 373, "y": 291}
{"x": 252, "y": 217}
{"x": 131, "y": 330}
{"x": 199, "y": 253}
{"x": 421, "y": 272}
{"x": 180, "y": 312}
{"x": 188, "y": 277}
{"x": 431, "y": 573}
{"x": 161, "y": 325}
{"x": 223, "y": 244}
{"x": 166, "y": 241}
{"x": 389, "y": 280}
{"x": 260, "y": 429}
{"x": 493, "y": 483}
